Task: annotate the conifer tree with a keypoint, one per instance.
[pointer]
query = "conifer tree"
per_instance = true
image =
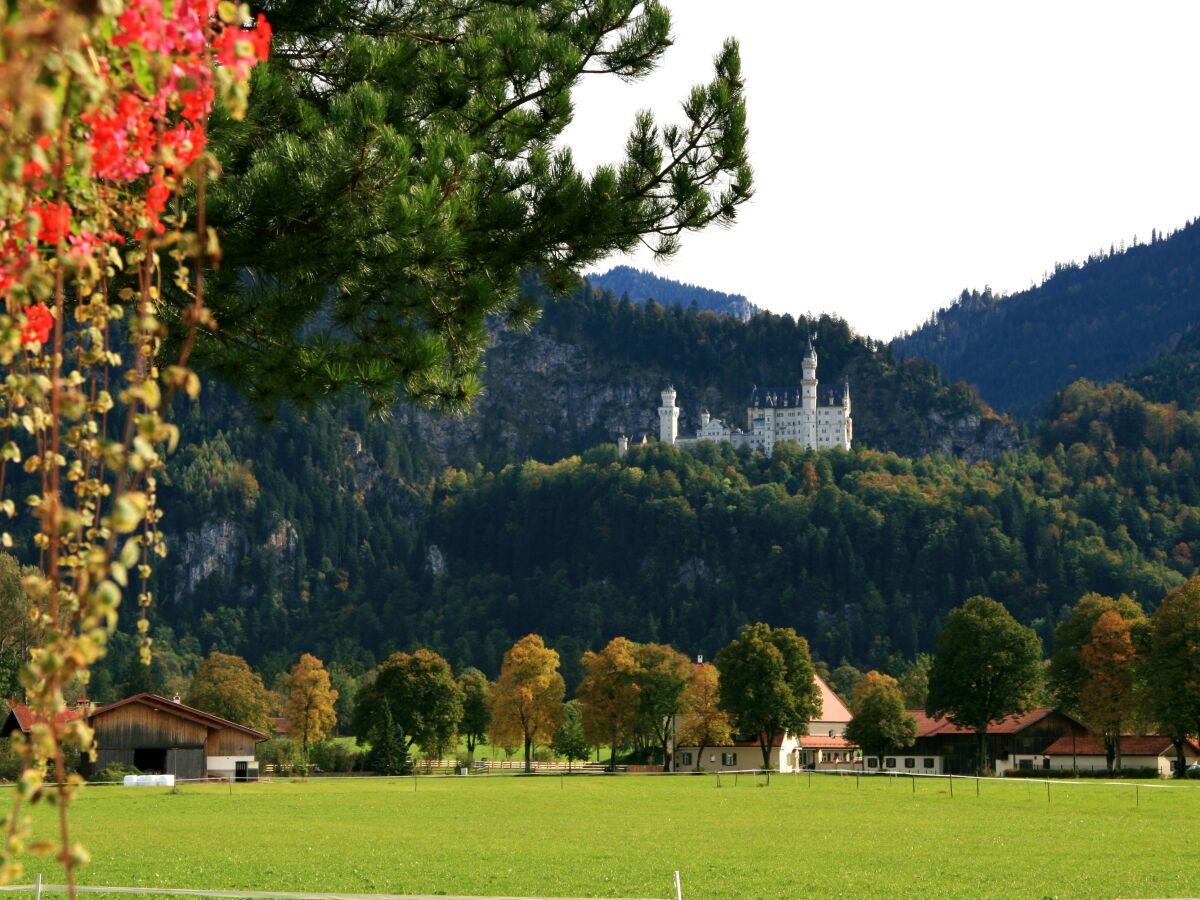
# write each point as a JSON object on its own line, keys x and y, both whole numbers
{"x": 401, "y": 165}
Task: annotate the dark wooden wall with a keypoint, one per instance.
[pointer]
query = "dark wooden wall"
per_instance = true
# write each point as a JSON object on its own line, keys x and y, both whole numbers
{"x": 228, "y": 742}
{"x": 135, "y": 725}
{"x": 186, "y": 762}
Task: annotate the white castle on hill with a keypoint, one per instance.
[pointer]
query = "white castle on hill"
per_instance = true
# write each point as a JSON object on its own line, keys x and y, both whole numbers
{"x": 774, "y": 415}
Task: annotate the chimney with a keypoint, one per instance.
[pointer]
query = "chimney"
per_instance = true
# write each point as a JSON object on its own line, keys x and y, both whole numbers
{"x": 175, "y": 698}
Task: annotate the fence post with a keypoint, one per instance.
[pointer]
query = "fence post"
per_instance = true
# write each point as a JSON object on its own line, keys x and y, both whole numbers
{"x": 678, "y": 887}
{"x": 976, "y": 787}
{"x": 1047, "y": 791}
{"x": 951, "y": 777}
{"x": 1137, "y": 795}
{"x": 914, "y": 781}
{"x": 37, "y": 894}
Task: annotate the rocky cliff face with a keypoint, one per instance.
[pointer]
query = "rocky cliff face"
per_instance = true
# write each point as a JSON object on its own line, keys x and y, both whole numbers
{"x": 547, "y": 399}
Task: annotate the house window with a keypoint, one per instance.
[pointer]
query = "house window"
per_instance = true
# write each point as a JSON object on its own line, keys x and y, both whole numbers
{"x": 891, "y": 762}
{"x": 929, "y": 762}
{"x": 1025, "y": 764}
{"x": 729, "y": 759}
{"x": 687, "y": 759}
{"x": 872, "y": 762}
{"x": 909, "y": 762}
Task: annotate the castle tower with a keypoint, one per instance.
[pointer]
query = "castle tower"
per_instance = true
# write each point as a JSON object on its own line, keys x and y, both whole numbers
{"x": 668, "y": 417}
{"x": 622, "y": 445}
{"x": 809, "y": 383}
{"x": 808, "y": 398}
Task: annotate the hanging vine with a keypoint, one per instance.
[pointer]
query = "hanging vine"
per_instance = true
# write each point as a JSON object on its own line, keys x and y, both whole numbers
{"x": 103, "y": 115}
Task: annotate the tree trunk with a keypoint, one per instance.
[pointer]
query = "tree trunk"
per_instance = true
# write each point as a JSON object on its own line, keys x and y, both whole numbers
{"x": 666, "y": 762}
{"x": 699, "y": 753}
{"x": 981, "y": 762}
{"x": 528, "y": 754}
{"x": 470, "y": 752}
{"x": 612, "y": 756}
{"x": 1117, "y": 751}
{"x": 766, "y": 749}
{"x": 1180, "y": 760}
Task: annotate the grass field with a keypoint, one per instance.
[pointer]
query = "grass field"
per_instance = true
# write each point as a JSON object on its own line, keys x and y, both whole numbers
{"x": 624, "y": 836}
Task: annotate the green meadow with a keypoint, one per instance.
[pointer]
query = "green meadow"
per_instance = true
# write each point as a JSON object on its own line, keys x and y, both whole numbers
{"x": 625, "y": 836}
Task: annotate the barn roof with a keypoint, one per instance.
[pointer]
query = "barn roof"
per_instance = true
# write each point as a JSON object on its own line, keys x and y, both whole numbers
{"x": 162, "y": 704}
{"x": 928, "y": 726}
{"x": 810, "y": 742}
{"x": 25, "y": 717}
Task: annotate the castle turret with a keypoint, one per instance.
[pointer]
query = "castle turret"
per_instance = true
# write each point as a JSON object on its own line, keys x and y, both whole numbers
{"x": 704, "y": 417}
{"x": 668, "y": 417}
{"x": 622, "y": 445}
{"x": 809, "y": 383}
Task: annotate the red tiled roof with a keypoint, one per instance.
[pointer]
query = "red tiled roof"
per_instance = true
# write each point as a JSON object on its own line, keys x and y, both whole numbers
{"x": 927, "y": 726}
{"x": 808, "y": 742}
{"x": 25, "y": 716}
{"x": 182, "y": 710}
{"x": 1131, "y": 745}
{"x": 778, "y": 742}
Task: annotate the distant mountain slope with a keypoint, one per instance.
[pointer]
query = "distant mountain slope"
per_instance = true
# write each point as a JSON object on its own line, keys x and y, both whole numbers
{"x": 1096, "y": 320}
{"x": 1173, "y": 377}
{"x": 641, "y": 286}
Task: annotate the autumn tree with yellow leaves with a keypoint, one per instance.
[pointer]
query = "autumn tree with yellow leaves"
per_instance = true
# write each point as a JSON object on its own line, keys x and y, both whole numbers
{"x": 704, "y": 724}
{"x": 527, "y": 699}
{"x": 309, "y": 701}
{"x": 609, "y": 695}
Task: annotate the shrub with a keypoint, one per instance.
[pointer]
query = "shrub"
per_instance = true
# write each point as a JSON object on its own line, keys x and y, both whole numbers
{"x": 1142, "y": 772}
{"x": 332, "y": 756}
{"x": 114, "y": 772}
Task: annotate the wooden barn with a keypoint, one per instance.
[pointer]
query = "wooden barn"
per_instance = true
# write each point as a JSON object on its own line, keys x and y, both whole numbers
{"x": 155, "y": 734}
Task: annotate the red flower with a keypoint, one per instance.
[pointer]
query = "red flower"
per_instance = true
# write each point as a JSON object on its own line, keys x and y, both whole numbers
{"x": 240, "y": 48}
{"x": 156, "y": 200}
{"x": 54, "y": 221}
{"x": 38, "y": 322}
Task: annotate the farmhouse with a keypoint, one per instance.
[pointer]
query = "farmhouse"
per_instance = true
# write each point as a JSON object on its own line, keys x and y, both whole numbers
{"x": 825, "y": 745}
{"x": 1147, "y": 751}
{"x": 1017, "y": 742}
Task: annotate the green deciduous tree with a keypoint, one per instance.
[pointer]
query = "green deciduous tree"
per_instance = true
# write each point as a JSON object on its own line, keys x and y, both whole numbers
{"x": 400, "y": 166}
{"x": 662, "y": 674}
{"x": 226, "y": 686}
{"x": 988, "y": 667}
{"x": 424, "y": 700}
{"x": 880, "y": 722}
{"x": 477, "y": 712}
{"x": 767, "y": 684}
{"x": 1173, "y": 666}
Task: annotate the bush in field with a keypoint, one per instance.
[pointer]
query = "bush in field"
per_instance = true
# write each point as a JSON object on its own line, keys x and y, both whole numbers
{"x": 115, "y": 772}
{"x": 331, "y": 756}
{"x": 277, "y": 752}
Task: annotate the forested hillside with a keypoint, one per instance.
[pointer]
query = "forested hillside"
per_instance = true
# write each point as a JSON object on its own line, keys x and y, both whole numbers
{"x": 1097, "y": 320}
{"x": 593, "y": 368}
{"x": 640, "y": 286}
{"x": 308, "y": 537}
{"x": 1173, "y": 377}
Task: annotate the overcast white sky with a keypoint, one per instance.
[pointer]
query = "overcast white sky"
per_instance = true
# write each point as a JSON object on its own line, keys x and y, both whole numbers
{"x": 904, "y": 151}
